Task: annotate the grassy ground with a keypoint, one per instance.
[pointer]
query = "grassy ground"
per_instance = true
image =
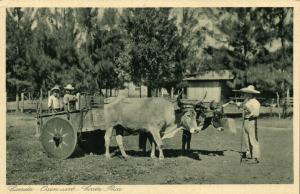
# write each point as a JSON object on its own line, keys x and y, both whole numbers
{"x": 214, "y": 159}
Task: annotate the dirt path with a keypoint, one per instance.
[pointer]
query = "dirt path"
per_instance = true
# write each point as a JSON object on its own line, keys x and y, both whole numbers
{"x": 214, "y": 160}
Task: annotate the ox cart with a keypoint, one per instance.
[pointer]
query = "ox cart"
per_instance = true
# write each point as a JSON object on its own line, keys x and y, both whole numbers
{"x": 61, "y": 132}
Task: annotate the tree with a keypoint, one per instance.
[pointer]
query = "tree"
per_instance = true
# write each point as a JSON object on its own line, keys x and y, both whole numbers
{"x": 108, "y": 45}
{"x": 156, "y": 48}
{"x": 274, "y": 26}
{"x": 18, "y": 39}
{"x": 247, "y": 34}
{"x": 43, "y": 53}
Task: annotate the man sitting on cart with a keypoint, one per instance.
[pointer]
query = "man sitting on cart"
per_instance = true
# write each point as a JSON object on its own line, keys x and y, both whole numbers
{"x": 54, "y": 102}
{"x": 69, "y": 98}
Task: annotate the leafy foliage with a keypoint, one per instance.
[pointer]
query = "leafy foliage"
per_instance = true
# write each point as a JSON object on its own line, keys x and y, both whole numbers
{"x": 96, "y": 49}
{"x": 157, "y": 48}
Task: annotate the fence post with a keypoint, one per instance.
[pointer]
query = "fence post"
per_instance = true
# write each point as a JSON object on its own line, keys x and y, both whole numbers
{"x": 278, "y": 104}
{"x": 22, "y": 102}
{"x": 77, "y": 103}
{"x": 41, "y": 101}
{"x": 288, "y": 95}
{"x": 17, "y": 102}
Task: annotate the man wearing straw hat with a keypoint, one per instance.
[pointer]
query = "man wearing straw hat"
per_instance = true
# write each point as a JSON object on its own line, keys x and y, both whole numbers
{"x": 69, "y": 99}
{"x": 250, "y": 113}
{"x": 54, "y": 103}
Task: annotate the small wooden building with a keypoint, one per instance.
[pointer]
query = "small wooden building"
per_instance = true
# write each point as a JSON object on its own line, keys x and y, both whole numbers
{"x": 209, "y": 83}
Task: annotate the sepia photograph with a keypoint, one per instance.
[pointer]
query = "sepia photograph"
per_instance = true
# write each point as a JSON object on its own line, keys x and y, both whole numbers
{"x": 149, "y": 96}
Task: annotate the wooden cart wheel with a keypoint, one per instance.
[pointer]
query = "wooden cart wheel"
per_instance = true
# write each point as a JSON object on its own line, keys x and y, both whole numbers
{"x": 58, "y": 138}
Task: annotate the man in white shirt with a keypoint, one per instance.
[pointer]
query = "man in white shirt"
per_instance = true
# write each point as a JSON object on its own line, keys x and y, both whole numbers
{"x": 251, "y": 112}
{"x": 54, "y": 103}
{"x": 69, "y": 99}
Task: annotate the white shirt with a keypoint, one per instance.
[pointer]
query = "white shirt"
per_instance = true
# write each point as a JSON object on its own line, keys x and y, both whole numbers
{"x": 53, "y": 102}
{"x": 251, "y": 108}
{"x": 68, "y": 98}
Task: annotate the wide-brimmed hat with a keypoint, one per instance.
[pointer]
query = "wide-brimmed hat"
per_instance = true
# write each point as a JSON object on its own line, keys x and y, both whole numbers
{"x": 250, "y": 90}
{"x": 56, "y": 87}
{"x": 69, "y": 87}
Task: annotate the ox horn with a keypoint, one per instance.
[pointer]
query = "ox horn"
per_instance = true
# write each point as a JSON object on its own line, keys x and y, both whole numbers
{"x": 179, "y": 94}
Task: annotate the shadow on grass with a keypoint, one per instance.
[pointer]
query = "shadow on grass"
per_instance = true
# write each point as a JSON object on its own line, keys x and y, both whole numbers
{"x": 89, "y": 142}
{"x": 171, "y": 153}
{"x": 93, "y": 142}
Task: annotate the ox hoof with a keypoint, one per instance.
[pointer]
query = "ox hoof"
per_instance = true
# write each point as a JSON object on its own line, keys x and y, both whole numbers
{"x": 153, "y": 156}
{"x": 161, "y": 157}
{"x": 220, "y": 129}
{"x": 126, "y": 157}
{"x": 107, "y": 156}
{"x": 37, "y": 135}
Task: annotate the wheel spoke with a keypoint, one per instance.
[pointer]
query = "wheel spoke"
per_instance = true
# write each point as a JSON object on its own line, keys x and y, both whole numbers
{"x": 65, "y": 143}
{"x": 52, "y": 134}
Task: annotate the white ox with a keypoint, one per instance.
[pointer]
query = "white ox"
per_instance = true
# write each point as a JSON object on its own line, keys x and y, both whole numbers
{"x": 154, "y": 115}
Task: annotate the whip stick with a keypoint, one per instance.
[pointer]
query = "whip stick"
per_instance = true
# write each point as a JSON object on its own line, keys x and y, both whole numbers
{"x": 242, "y": 137}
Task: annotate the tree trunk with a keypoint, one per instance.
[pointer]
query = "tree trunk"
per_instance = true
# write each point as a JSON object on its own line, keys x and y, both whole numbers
{"x": 140, "y": 90}
{"x": 149, "y": 92}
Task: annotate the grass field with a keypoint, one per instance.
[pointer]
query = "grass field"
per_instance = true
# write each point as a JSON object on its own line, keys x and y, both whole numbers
{"x": 214, "y": 159}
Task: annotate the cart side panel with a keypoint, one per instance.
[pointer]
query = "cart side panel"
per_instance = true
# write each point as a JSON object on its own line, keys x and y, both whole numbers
{"x": 98, "y": 117}
{"x": 93, "y": 120}
{"x": 75, "y": 120}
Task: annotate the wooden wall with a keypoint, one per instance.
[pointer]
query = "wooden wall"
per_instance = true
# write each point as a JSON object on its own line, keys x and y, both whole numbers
{"x": 196, "y": 90}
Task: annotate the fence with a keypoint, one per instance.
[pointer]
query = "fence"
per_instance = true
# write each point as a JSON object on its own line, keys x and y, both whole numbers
{"x": 27, "y": 101}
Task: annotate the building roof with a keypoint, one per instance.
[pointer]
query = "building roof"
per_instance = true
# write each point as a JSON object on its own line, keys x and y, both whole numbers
{"x": 211, "y": 75}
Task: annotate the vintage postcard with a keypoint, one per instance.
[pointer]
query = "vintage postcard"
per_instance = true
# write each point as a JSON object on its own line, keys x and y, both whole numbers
{"x": 147, "y": 97}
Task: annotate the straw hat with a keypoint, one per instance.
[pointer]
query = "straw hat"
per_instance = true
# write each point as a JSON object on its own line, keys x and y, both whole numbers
{"x": 69, "y": 87}
{"x": 56, "y": 87}
{"x": 250, "y": 90}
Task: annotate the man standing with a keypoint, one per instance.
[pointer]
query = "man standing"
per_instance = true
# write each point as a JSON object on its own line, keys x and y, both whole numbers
{"x": 251, "y": 112}
{"x": 54, "y": 104}
{"x": 69, "y": 98}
